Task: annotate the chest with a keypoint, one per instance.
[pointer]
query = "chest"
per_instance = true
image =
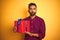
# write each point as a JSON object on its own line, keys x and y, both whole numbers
{"x": 35, "y": 25}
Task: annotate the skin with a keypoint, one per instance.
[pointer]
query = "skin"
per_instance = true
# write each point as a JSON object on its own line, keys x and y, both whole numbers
{"x": 32, "y": 11}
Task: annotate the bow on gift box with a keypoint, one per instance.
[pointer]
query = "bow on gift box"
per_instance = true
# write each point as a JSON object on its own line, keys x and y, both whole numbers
{"x": 22, "y": 26}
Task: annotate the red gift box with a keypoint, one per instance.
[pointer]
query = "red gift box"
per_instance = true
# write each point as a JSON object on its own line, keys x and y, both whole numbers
{"x": 23, "y": 27}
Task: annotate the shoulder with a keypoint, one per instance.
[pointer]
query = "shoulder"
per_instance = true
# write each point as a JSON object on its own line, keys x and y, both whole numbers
{"x": 39, "y": 18}
{"x": 26, "y": 18}
{"x": 41, "y": 21}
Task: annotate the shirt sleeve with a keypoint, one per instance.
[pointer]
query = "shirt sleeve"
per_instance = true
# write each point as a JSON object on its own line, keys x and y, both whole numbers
{"x": 42, "y": 30}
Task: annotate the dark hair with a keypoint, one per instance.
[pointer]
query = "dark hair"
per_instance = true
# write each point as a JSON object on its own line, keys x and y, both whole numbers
{"x": 32, "y": 4}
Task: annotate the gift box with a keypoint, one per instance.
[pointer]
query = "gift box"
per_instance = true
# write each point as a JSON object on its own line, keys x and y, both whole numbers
{"x": 22, "y": 26}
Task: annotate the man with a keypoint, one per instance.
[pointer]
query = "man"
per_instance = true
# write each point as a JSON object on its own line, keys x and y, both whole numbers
{"x": 37, "y": 30}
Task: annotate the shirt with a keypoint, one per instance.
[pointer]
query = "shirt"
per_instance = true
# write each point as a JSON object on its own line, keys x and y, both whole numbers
{"x": 37, "y": 26}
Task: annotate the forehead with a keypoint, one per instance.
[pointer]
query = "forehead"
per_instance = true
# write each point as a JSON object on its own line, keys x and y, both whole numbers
{"x": 32, "y": 6}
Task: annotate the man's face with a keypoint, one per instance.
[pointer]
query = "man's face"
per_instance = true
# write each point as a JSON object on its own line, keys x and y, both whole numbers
{"x": 32, "y": 10}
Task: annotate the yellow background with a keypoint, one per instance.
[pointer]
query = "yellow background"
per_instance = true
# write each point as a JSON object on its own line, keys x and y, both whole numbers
{"x": 14, "y": 9}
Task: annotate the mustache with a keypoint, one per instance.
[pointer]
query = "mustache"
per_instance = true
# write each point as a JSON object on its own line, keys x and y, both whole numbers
{"x": 32, "y": 12}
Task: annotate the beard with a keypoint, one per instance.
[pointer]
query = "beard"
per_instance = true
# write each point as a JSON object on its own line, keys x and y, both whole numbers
{"x": 32, "y": 13}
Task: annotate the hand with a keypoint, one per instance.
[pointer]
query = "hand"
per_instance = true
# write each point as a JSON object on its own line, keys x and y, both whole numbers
{"x": 14, "y": 29}
{"x": 30, "y": 34}
{"x": 36, "y": 35}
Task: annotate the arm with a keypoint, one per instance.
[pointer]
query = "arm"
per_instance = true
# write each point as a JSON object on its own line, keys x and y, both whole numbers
{"x": 42, "y": 30}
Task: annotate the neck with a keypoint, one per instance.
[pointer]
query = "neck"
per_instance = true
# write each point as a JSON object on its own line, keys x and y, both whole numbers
{"x": 32, "y": 16}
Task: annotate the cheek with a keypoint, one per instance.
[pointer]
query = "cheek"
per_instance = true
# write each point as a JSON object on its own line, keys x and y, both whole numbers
{"x": 30, "y": 10}
{"x": 34, "y": 10}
